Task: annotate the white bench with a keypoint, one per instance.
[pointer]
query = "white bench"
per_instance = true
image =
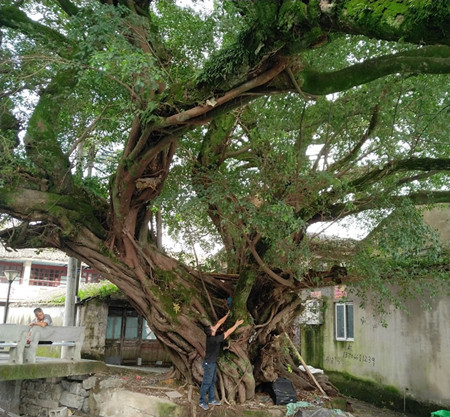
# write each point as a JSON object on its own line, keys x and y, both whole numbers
{"x": 70, "y": 337}
{"x": 15, "y": 337}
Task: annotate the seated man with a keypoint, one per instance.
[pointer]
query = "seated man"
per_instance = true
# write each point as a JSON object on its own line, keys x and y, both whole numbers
{"x": 41, "y": 320}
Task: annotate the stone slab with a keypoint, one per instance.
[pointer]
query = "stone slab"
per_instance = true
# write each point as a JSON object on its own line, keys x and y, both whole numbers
{"x": 49, "y": 368}
{"x": 173, "y": 395}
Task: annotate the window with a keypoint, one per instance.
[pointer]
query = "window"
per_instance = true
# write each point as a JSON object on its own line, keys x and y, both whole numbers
{"x": 344, "y": 321}
{"x": 10, "y": 266}
{"x": 114, "y": 323}
{"x": 89, "y": 275}
{"x": 131, "y": 325}
{"x": 125, "y": 323}
{"x": 46, "y": 275}
{"x": 113, "y": 327}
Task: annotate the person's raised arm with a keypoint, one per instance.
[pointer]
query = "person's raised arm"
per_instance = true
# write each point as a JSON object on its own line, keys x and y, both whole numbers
{"x": 232, "y": 329}
{"x": 220, "y": 322}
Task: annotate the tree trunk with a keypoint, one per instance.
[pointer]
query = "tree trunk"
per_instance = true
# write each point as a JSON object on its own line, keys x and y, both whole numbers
{"x": 175, "y": 302}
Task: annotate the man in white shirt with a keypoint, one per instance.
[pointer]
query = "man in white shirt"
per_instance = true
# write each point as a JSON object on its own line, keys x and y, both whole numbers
{"x": 41, "y": 319}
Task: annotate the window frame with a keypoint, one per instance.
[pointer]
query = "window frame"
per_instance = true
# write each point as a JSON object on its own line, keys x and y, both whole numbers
{"x": 131, "y": 314}
{"x": 121, "y": 314}
{"x": 337, "y": 317}
{"x": 46, "y": 275}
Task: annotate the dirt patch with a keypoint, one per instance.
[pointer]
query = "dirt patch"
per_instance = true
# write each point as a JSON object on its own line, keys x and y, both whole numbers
{"x": 155, "y": 382}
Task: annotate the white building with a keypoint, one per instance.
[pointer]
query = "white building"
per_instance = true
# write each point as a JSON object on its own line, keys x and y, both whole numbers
{"x": 41, "y": 274}
{"x": 404, "y": 365}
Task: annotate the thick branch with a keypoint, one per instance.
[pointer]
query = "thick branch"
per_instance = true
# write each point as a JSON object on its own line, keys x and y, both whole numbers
{"x": 358, "y": 206}
{"x": 265, "y": 268}
{"x": 428, "y": 60}
{"x": 426, "y": 22}
{"x": 339, "y": 210}
{"x": 42, "y": 236}
{"x": 264, "y": 78}
{"x": 42, "y": 134}
{"x": 415, "y": 164}
{"x": 66, "y": 212}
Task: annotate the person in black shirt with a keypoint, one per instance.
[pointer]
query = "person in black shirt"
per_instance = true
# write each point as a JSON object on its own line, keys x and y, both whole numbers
{"x": 213, "y": 348}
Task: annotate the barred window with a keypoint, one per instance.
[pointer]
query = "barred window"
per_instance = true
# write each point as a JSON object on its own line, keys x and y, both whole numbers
{"x": 46, "y": 275}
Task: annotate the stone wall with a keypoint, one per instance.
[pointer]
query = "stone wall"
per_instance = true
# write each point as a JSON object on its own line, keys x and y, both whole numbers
{"x": 10, "y": 396}
{"x": 93, "y": 396}
{"x": 42, "y": 397}
{"x": 94, "y": 316}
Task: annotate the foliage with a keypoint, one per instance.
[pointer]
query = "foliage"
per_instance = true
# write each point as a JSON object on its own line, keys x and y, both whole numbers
{"x": 58, "y": 300}
{"x": 400, "y": 260}
{"x": 102, "y": 290}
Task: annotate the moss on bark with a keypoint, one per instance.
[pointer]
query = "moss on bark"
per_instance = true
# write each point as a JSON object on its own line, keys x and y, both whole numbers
{"x": 414, "y": 21}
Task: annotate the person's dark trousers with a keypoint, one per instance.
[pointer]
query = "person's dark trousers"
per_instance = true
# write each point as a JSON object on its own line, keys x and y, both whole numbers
{"x": 208, "y": 382}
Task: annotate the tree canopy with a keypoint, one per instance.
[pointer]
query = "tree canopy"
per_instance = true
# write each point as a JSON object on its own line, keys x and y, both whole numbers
{"x": 249, "y": 121}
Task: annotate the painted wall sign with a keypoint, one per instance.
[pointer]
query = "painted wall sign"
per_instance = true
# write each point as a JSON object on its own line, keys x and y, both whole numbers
{"x": 340, "y": 291}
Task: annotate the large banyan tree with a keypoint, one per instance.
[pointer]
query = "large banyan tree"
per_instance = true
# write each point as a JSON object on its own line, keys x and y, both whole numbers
{"x": 243, "y": 123}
